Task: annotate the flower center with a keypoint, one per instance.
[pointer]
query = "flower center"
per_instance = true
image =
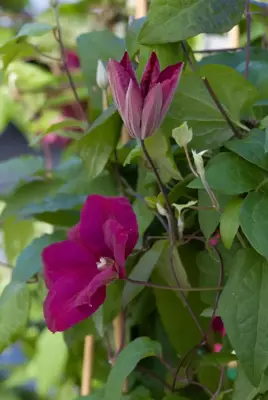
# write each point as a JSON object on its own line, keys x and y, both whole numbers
{"x": 105, "y": 262}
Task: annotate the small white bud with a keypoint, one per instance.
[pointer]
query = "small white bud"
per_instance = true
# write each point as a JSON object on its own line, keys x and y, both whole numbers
{"x": 199, "y": 163}
{"x": 102, "y": 77}
{"x": 161, "y": 210}
{"x": 182, "y": 134}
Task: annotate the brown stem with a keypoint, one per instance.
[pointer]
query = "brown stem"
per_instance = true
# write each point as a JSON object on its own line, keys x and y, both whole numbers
{"x": 54, "y": 4}
{"x": 174, "y": 288}
{"x": 87, "y": 369}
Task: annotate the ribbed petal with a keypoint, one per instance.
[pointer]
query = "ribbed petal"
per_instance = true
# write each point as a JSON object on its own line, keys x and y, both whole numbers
{"x": 126, "y": 63}
{"x": 60, "y": 308}
{"x": 119, "y": 80}
{"x": 169, "y": 79}
{"x": 151, "y": 113}
{"x": 150, "y": 75}
{"x": 116, "y": 238}
{"x": 99, "y": 282}
{"x": 133, "y": 110}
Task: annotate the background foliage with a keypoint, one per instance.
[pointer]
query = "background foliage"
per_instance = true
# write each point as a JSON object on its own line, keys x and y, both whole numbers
{"x": 41, "y": 198}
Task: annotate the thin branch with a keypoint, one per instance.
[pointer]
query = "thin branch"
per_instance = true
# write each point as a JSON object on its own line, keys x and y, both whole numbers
{"x": 209, "y": 51}
{"x": 54, "y": 4}
{"x": 221, "y": 380}
{"x": 213, "y": 95}
{"x": 174, "y": 288}
{"x": 173, "y": 235}
{"x": 220, "y": 282}
{"x": 248, "y": 19}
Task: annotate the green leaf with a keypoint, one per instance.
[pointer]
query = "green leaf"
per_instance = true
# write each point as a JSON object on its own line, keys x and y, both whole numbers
{"x": 244, "y": 390}
{"x": 164, "y": 271}
{"x": 50, "y": 360}
{"x": 230, "y": 221}
{"x": 169, "y": 304}
{"x": 230, "y": 174}
{"x": 174, "y": 20}
{"x": 34, "y": 29}
{"x": 18, "y": 169}
{"x": 243, "y": 310}
{"x": 13, "y": 50}
{"x": 14, "y": 310}
{"x": 252, "y": 148}
{"x": 192, "y": 103}
{"x": 209, "y": 219}
{"x": 96, "y": 147}
{"x": 253, "y": 219}
{"x": 113, "y": 303}
{"x": 79, "y": 331}
{"x": 103, "y": 45}
{"x": 159, "y": 149}
{"x": 126, "y": 361}
{"x": 29, "y": 261}
{"x": 132, "y": 35}
{"x": 59, "y": 127}
{"x": 142, "y": 271}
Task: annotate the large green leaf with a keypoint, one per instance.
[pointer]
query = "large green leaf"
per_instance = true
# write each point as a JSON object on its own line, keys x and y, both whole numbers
{"x": 159, "y": 149}
{"x": 34, "y": 29}
{"x": 209, "y": 218}
{"x": 127, "y": 360}
{"x": 230, "y": 174}
{"x": 192, "y": 103}
{"x": 251, "y": 148}
{"x": 174, "y": 20}
{"x": 50, "y": 360}
{"x": 142, "y": 271}
{"x": 18, "y": 169}
{"x": 133, "y": 31}
{"x": 94, "y": 46}
{"x": 96, "y": 147}
{"x": 171, "y": 307}
{"x": 29, "y": 261}
{"x": 253, "y": 218}
{"x": 14, "y": 310}
{"x": 243, "y": 309}
{"x": 230, "y": 221}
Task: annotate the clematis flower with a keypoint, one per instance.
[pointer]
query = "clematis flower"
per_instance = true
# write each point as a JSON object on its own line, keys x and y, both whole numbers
{"x": 77, "y": 270}
{"x": 143, "y": 107}
{"x": 217, "y": 326}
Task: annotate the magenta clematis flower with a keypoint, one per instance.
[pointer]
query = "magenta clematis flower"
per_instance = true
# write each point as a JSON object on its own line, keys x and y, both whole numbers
{"x": 143, "y": 107}
{"x": 217, "y": 326}
{"x": 77, "y": 270}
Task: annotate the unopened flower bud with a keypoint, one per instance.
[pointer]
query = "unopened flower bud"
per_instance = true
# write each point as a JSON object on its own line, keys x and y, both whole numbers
{"x": 182, "y": 134}
{"x": 199, "y": 163}
{"x": 102, "y": 78}
{"x": 161, "y": 210}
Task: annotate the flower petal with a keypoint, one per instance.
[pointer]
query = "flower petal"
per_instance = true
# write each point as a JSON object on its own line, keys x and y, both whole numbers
{"x": 151, "y": 111}
{"x": 116, "y": 238}
{"x": 96, "y": 211}
{"x": 67, "y": 257}
{"x": 169, "y": 79}
{"x": 133, "y": 110}
{"x": 150, "y": 75}
{"x": 60, "y": 309}
{"x": 100, "y": 280}
{"x": 119, "y": 80}
{"x": 126, "y": 63}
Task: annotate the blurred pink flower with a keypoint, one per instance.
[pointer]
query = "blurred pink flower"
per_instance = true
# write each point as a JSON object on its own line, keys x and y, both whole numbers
{"x": 77, "y": 270}
{"x": 217, "y": 326}
{"x": 143, "y": 107}
{"x": 217, "y": 347}
{"x": 214, "y": 240}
